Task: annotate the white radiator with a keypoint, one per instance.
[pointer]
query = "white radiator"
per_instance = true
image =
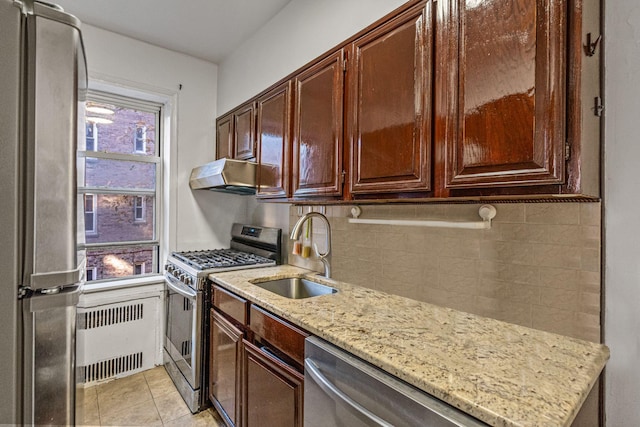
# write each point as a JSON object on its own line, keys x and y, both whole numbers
{"x": 117, "y": 339}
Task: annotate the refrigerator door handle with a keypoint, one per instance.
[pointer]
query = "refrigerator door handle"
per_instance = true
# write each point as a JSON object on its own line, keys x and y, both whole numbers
{"x": 57, "y": 278}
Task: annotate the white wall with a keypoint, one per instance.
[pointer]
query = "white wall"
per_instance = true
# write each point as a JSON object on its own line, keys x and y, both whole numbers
{"x": 622, "y": 206}
{"x": 302, "y": 31}
{"x": 197, "y": 220}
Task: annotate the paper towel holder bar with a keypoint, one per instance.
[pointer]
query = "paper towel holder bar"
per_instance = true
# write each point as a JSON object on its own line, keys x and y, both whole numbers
{"x": 486, "y": 213}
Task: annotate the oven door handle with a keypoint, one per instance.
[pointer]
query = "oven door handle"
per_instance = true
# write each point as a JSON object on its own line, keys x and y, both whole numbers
{"x": 178, "y": 287}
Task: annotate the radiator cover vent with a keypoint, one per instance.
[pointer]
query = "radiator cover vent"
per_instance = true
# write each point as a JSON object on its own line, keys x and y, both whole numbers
{"x": 118, "y": 335}
{"x": 110, "y": 316}
{"x": 110, "y": 368}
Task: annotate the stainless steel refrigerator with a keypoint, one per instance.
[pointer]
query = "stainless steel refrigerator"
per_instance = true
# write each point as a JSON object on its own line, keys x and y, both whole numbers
{"x": 42, "y": 81}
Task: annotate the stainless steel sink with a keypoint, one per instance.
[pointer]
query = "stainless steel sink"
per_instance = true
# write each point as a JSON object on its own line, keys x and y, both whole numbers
{"x": 296, "y": 288}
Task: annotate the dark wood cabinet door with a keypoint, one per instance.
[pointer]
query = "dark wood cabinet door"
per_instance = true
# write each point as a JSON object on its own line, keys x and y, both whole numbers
{"x": 273, "y": 394}
{"x": 501, "y": 91}
{"x": 390, "y": 105}
{"x": 225, "y": 367}
{"x": 318, "y": 131}
{"x": 224, "y": 137}
{"x": 274, "y": 142}
{"x": 244, "y": 130}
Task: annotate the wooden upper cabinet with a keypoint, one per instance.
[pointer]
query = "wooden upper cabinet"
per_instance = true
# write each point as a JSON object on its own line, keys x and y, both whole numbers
{"x": 389, "y": 114}
{"x": 245, "y": 133}
{"x": 235, "y": 134}
{"x": 274, "y": 142}
{"x": 224, "y": 137}
{"x": 500, "y": 95}
{"x": 318, "y": 130}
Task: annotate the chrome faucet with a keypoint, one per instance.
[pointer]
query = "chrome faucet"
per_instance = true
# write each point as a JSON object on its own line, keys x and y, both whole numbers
{"x": 324, "y": 257}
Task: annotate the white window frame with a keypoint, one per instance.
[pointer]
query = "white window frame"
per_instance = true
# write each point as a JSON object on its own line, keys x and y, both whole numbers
{"x": 164, "y": 222}
{"x": 139, "y": 205}
{"x": 94, "y": 216}
{"x": 143, "y": 139}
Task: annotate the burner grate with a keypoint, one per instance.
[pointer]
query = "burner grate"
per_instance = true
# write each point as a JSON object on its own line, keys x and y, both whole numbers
{"x": 220, "y": 258}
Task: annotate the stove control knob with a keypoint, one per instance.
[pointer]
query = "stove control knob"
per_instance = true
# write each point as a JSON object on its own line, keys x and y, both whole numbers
{"x": 188, "y": 280}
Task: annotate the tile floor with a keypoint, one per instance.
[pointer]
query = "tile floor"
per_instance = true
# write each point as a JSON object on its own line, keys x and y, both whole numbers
{"x": 148, "y": 398}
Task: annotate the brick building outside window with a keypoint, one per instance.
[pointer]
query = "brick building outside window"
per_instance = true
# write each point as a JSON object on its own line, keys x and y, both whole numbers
{"x": 119, "y": 186}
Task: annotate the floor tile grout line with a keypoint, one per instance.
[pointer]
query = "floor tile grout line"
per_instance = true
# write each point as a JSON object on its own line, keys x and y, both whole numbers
{"x": 162, "y": 422}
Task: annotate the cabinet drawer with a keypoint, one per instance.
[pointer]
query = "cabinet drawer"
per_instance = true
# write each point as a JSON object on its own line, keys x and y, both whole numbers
{"x": 280, "y": 334}
{"x": 231, "y": 305}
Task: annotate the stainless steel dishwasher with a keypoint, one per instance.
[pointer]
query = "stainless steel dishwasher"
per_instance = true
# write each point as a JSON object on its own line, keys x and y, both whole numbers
{"x": 342, "y": 390}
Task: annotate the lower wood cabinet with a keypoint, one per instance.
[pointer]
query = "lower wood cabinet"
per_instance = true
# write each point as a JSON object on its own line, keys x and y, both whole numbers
{"x": 255, "y": 364}
{"x": 225, "y": 368}
{"x": 273, "y": 391}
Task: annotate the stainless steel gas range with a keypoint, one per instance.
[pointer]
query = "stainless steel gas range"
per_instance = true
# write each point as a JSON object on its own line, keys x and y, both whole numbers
{"x": 188, "y": 302}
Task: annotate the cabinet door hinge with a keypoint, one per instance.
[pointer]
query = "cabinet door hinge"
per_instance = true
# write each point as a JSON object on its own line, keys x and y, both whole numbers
{"x": 567, "y": 151}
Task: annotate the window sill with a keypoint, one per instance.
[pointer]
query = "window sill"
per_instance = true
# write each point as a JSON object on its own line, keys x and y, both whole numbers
{"x": 123, "y": 284}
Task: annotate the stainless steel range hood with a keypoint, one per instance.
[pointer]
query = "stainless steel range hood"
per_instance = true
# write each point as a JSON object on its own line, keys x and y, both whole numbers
{"x": 226, "y": 175}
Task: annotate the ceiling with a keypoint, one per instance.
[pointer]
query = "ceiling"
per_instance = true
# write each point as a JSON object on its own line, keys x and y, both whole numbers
{"x": 206, "y": 29}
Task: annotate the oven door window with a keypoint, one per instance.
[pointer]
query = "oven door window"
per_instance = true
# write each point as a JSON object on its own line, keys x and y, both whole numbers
{"x": 182, "y": 340}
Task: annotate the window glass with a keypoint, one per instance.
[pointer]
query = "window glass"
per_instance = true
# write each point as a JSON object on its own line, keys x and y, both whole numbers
{"x": 140, "y": 142}
{"x": 89, "y": 213}
{"x": 118, "y": 219}
{"x": 126, "y": 125}
{"x": 119, "y": 187}
{"x": 108, "y": 173}
{"x": 139, "y": 209}
{"x": 91, "y": 274}
{"x": 92, "y": 137}
{"x": 138, "y": 269}
{"x": 121, "y": 262}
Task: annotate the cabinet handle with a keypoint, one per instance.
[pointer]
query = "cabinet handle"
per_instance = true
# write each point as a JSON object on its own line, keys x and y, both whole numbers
{"x": 271, "y": 354}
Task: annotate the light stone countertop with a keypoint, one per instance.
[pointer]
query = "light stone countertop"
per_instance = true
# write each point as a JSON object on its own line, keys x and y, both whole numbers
{"x": 500, "y": 373}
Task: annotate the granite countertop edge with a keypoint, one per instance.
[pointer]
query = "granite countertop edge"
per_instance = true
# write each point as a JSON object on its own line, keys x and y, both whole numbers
{"x": 501, "y": 373}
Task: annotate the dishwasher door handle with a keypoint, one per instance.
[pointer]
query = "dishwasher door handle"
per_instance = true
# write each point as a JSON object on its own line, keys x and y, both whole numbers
{"x": 336, "y": 394}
